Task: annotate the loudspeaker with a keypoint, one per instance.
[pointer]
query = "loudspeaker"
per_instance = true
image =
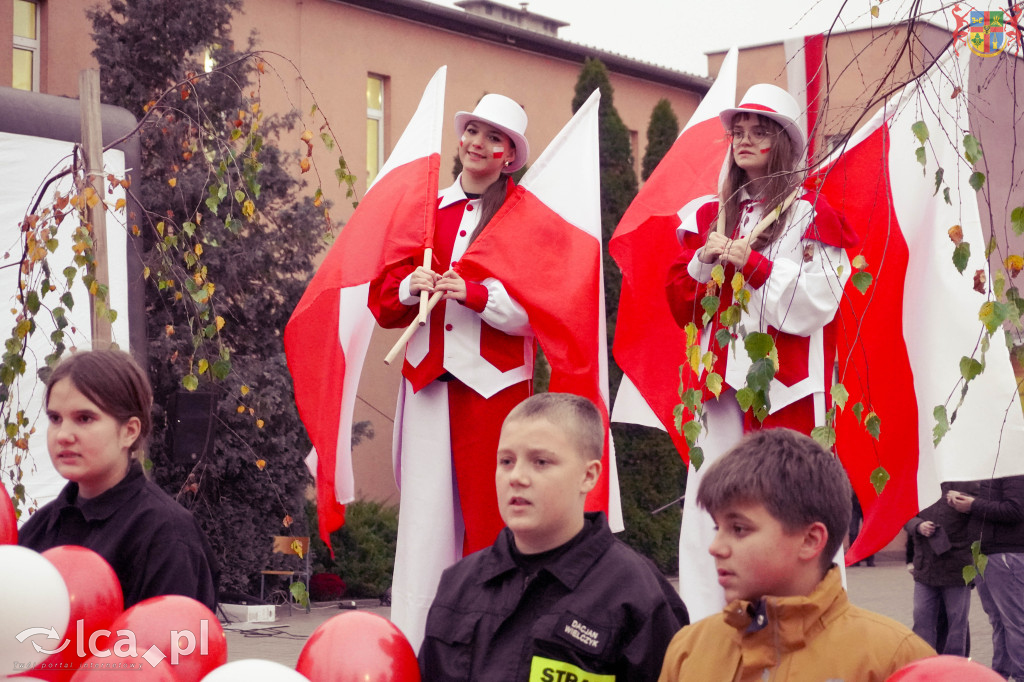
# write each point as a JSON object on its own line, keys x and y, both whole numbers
{"x": 191, "y": 414}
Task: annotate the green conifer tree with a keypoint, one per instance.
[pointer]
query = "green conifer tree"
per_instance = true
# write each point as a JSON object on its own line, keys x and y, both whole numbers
{"x": 662, "y": 131}
{"x": 647, "y": 459}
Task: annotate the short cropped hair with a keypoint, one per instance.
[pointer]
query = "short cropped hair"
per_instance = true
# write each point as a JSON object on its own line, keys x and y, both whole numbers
{"x": 796, "y": 480}
{"x": 578, "y": 416}
{"x": 112, "y": 380}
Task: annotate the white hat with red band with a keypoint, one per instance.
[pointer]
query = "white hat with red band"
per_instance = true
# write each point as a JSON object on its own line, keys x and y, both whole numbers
{"x": 775, "y": 103}
{"x": 506, "y": 115}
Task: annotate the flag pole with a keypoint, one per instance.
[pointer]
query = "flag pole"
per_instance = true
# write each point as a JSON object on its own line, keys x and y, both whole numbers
{"x": 421, "y": 319}
{"x": 413, "y": 326}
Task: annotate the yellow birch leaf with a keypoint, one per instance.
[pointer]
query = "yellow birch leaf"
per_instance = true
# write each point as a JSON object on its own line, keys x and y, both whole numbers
{"x": 204, "y": 365}
{"x": 859, "y": 262}
{"x": 1014, "y": 264}
{"x": 248, "y": 208}
{"x": 172, "y": 182}
{"x": 287, "y": 521}
{"x": 199, "y": 249}
{"x": 307, "y": 135}
{"x": 260, "y": 423}
{"x": 94, "y": 287}
{"x": 240, "y": 409}
{"x": 303, "y": 165}
{"x": 244, "y": 389}
{"x": 297, "y": 548}
{"x": 92, "y": 200}
{"x": 169, "y": 330}
{"x": 260, "y": 464}
{"x": 219, "y": 321}
{"x": 121, "y": 203}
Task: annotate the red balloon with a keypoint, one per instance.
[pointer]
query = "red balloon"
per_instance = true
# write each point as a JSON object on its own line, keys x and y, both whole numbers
{"x": 358, "y": 647}
{"x": 198, "y": 647}
{"x": 96, "y": 601}
{"x": 8, "y": 521}
{"x": 944, "y": 669}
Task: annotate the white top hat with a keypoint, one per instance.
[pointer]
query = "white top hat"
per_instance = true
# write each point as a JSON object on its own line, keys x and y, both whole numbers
{"x": 775, "y": 103}
{"x": 507, "y": 116}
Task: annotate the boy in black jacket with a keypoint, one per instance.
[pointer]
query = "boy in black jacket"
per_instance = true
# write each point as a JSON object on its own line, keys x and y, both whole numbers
{"x": 556, "y": 597}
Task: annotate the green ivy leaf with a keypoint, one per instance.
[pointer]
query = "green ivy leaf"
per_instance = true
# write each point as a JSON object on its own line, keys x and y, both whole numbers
{"x": 221, "y": 369}
{"x": 691, "y": 431}
{"x": 972, "y": 149}
{"x": 1017, "y": 220}
{"x": 873, "y": 424}
{"x": 920, "y": 130}
{"x": 758, "y": 345}
{"x": 825, "y": 436}
{"x": 980, "y": 560}
{"x": 760, "y": 375}
{"x": 745, "y": 398}
{"x": 677, "y": 418}
{"x": 970, "y": 368}
{"x": 941, "y": 427}
{"x": 993, "y": 314}
{"x": 862, "y": 280}
{"x": 709, "y": 304}
{"x": 977, "y": 180}
{"x": 696, "y": 458}
{"x": 691, "y": 399}
{"x": 840, "y": 395}
{"x": 879, "y": 477}
{"x": 714, "y": 383}
{"x": 961, "y": 254}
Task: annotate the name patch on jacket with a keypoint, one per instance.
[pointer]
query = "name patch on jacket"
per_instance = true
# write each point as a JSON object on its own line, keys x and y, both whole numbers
{"x": 586, "y": 637}
{"x": 548, "y": 670}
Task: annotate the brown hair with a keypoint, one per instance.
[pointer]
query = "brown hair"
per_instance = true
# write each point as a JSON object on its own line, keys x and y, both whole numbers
{"x": 781, "y": 179}
{"x": 490, "y": 201}
{"x": 796, "y": 480}
{"x": 578, "y": 416}
{"x": 112, "y": 380}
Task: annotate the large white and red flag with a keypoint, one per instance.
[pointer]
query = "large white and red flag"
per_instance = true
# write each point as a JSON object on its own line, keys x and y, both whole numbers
{"x": 649, "y": 346}
{"x": 544, "y": 245}
{"x": 327, "y": 336}
{"x": 901, "y": 342}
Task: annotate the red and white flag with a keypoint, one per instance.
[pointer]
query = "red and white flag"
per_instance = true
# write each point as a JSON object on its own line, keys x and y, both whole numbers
{"x": 901, "y": 342}
{"x": 649, "y": 346}
{"x": 327, "y": 336}
{"x": 544, "y": 245}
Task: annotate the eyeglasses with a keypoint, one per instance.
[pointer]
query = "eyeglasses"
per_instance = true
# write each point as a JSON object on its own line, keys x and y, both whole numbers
{"x": 757, "y": 134}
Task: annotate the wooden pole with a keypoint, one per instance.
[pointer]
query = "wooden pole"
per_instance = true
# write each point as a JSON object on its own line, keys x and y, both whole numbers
{"x": 428, "y": 254}
{"x": 92, "y": 151}
{"x": 407, "y": 334}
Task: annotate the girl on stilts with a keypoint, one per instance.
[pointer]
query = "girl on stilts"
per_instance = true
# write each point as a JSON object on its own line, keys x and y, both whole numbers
{"x": 464, "y": 370}
{"x": 788, "y": 246}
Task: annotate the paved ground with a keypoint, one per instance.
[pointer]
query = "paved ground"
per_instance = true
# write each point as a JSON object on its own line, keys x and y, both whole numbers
{"x": 886, "y": 588}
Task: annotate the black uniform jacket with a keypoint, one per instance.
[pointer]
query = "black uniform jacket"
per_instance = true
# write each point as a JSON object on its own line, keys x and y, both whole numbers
{"x": 598, "y": 612}
{"x": 153, "y": 543}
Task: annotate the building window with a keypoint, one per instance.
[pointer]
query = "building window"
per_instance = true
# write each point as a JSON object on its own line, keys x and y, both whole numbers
{"x": 25, "y": 74}
{"x": 374, "y": 126}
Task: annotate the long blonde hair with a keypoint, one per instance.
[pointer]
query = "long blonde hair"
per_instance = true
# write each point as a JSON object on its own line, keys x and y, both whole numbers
{"x": 781, "y": 178}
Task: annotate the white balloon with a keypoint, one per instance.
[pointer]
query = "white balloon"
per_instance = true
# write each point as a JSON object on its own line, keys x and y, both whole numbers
{"x": 34, "y": 605}
{"x": 254, "y": 670}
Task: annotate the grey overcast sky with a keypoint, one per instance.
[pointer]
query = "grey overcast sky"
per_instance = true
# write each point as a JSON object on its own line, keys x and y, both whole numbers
{"x": 677, "y": 33}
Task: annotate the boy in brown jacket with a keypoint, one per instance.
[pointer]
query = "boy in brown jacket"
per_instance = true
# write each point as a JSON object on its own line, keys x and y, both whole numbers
{"x": 781, "y": 506}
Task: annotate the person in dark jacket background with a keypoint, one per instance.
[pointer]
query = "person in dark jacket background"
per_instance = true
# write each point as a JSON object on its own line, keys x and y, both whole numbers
{"x": 941, "y": 550}
{"x": 556, "y": 597}
{"x": 997, "y": 518}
